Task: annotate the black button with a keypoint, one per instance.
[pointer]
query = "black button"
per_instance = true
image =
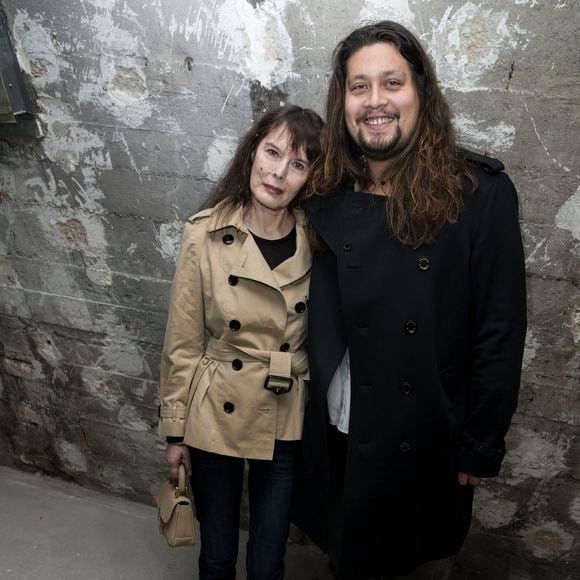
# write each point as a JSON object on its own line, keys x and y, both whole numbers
{"x": 237, "y": 364}
{"x": 410, "y": 327}
{"x": 406, "y": 388}
{"x": 300, "y": 307}
{"x": 235, "y": 325}
{"x": 405, "y": 447}
{"x": 347, "y": 246}
{"x": 229, "y": 407}
{"x": 228, "y": 239}
{"x": 285, "y": 347}
{"x": 423, "y": 263}
{"x": 232, "y": 280}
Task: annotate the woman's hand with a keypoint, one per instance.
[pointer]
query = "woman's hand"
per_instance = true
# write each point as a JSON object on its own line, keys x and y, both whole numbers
{"x": 175, "y": 454}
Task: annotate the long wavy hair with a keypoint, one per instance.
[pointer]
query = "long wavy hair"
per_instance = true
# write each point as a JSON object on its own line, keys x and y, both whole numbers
{"x": 427, "y": 177}
{"x": 304, "y": 127}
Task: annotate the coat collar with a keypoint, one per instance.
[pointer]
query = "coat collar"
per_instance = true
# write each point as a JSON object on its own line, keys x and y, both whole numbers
{"x": 250, "y": 262}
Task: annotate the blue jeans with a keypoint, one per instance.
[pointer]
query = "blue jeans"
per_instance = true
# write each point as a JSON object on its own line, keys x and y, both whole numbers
{"x": 217, "y": 491}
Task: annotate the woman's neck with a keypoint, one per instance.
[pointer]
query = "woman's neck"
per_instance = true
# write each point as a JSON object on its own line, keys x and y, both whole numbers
{"x": 268, "y": 224}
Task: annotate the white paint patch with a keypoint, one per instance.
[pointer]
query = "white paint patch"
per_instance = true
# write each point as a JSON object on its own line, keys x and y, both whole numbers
{"x": 466, "y": 43}
{"x": 397, "y": 10}
{"x": 574, "y": 510}
{"x": 102, "y": 388}
{"x": 530, "y": 3}
{"x": 36, "y": 51}
{"x": 71, "y": 456}
{"x": 530, "y": 349}
{"x": 538, "y": 455}
{"x": 219, "y": 154}
{"x": 493, "y": 511}
{"x": 167, "y": 240}
{"x": 129, "y": 419}
{"x": 254, "y": 40}
{"x": 575, "y": 325}
{"x": 548, "y": 540}
{"x": 479, "y": 134}
{"x": 568, "y": 216}
{"x": 122, "y": 358}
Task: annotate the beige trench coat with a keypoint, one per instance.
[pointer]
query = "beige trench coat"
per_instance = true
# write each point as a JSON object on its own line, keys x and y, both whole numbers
{"x": 233, "y": 325}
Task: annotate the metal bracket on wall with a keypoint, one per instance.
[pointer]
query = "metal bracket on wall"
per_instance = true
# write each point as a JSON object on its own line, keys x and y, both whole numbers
{"x": 16, "y": 109}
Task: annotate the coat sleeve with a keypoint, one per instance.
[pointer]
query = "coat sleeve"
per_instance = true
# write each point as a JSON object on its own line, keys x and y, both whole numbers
{"x": 498, "y": 316}
{"x": 184, "y": 337}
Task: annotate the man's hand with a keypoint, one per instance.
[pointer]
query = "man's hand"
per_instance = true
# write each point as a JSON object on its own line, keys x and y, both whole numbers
{"x": 175, "y": 454}
{"x": 465, "y": 478}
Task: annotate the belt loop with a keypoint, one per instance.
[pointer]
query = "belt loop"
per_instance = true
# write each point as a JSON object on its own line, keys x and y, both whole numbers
{"x": 281, "y": 364}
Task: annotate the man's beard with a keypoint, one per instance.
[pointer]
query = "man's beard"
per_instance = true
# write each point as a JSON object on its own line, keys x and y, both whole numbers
{"x": 380, "y": 149}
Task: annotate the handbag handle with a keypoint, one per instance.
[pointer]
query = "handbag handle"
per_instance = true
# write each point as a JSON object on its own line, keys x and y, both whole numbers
{"x": 182, "y": 485}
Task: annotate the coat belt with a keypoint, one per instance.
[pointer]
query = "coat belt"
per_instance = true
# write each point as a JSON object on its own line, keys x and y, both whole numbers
{"x": 282, "y": 365}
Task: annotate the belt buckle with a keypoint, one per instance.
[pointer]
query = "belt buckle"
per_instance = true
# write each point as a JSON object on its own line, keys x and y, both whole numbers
{"x": 279, "y": 390}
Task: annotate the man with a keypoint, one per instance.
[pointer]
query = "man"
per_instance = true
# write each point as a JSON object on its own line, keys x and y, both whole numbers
{"x": 417, "y": 316}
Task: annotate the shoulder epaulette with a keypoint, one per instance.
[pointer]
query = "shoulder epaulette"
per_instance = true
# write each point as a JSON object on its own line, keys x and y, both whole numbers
{"x": 200, "y": 215}
{"x": 488, "y": 164}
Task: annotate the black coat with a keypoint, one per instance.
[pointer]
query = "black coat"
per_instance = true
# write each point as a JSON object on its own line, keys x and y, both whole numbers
{"x": 435, "y": 337}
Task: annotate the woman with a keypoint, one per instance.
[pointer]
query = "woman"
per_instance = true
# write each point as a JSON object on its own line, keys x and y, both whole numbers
{"x": 234, "y": 364}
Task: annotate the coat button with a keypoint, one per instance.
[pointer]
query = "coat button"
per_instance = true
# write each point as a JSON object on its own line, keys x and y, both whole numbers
{"x": 300, "y": 307}
{"x": 284, "y": 347}
{"x": 237, "y": 364}
{"x": 229, "y": 407}
{"x": 347, "y": 246}
{"x": 410, "y": 327}
{"x": 424, "y": 263}
{"x": 405, "y": 447}
{"x": 235, "y": 325}
{"x": 232, "y": 280}
{"x": 228, "y": 239}
{"x": 406, "y": 388}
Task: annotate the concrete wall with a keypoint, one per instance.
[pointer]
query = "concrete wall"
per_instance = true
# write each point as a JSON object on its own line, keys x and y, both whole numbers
{"x": 141, "y": 103}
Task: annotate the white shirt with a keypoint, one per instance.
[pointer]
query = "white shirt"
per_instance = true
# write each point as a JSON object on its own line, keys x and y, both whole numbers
{"x": 338, "y": 396}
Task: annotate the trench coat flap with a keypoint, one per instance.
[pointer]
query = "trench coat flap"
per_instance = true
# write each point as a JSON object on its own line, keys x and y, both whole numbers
{"x": 251, "y": 264}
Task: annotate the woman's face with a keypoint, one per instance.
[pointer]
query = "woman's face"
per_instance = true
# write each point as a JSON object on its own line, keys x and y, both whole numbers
{"x": 278, "y": 172}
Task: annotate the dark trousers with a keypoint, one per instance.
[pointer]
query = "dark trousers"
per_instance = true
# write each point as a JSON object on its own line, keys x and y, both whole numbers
{"x": 217, "y": 491}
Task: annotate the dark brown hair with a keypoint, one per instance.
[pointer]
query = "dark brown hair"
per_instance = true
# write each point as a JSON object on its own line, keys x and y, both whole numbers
{"x": 304, "y": 127}
{"x": 427, "y": 177}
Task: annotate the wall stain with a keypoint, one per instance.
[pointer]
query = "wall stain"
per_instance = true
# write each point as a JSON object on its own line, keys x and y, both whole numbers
{"x": 263, "y": 98}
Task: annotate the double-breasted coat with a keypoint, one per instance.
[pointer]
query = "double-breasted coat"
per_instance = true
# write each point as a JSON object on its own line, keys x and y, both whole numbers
{"x": 235, "y": 327}
{"x": 435, "y": 338}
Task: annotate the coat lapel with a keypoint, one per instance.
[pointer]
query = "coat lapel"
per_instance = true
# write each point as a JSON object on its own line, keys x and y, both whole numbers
{"x": 251, "y": 264}
{"x": 298, "y": 265}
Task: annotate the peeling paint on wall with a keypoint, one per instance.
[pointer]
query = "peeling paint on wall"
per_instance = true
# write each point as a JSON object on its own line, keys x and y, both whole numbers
{"x": 537, "y": 455}
{"x": 492, "y": 510}
{"x": 397, "y": 10}
{"x": 253, "y": 39}
{"x": 72, "y": 456}
{"x": 483, "y": 137}
{"x": 548, "y": 540}
{"x": 219, "y": 154}
{"x": 467, "y": 41}
{"x": 568, "y": 216}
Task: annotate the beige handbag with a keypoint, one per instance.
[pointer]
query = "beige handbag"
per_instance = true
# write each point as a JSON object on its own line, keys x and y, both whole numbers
{"x": 176, "y": 518}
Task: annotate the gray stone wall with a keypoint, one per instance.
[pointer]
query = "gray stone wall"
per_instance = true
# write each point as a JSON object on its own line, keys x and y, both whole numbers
{"x": 141, "y": 104}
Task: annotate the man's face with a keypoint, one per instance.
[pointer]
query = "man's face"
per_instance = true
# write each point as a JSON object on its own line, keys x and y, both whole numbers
{"x": 382, "y": 102}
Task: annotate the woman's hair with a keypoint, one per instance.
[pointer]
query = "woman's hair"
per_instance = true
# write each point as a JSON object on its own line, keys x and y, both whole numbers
{"x": 303, "y": 127}
{"x": 427, "y": 177}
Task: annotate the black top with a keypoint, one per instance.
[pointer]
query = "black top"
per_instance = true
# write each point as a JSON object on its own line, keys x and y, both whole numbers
{"x": 277, "y": 251}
